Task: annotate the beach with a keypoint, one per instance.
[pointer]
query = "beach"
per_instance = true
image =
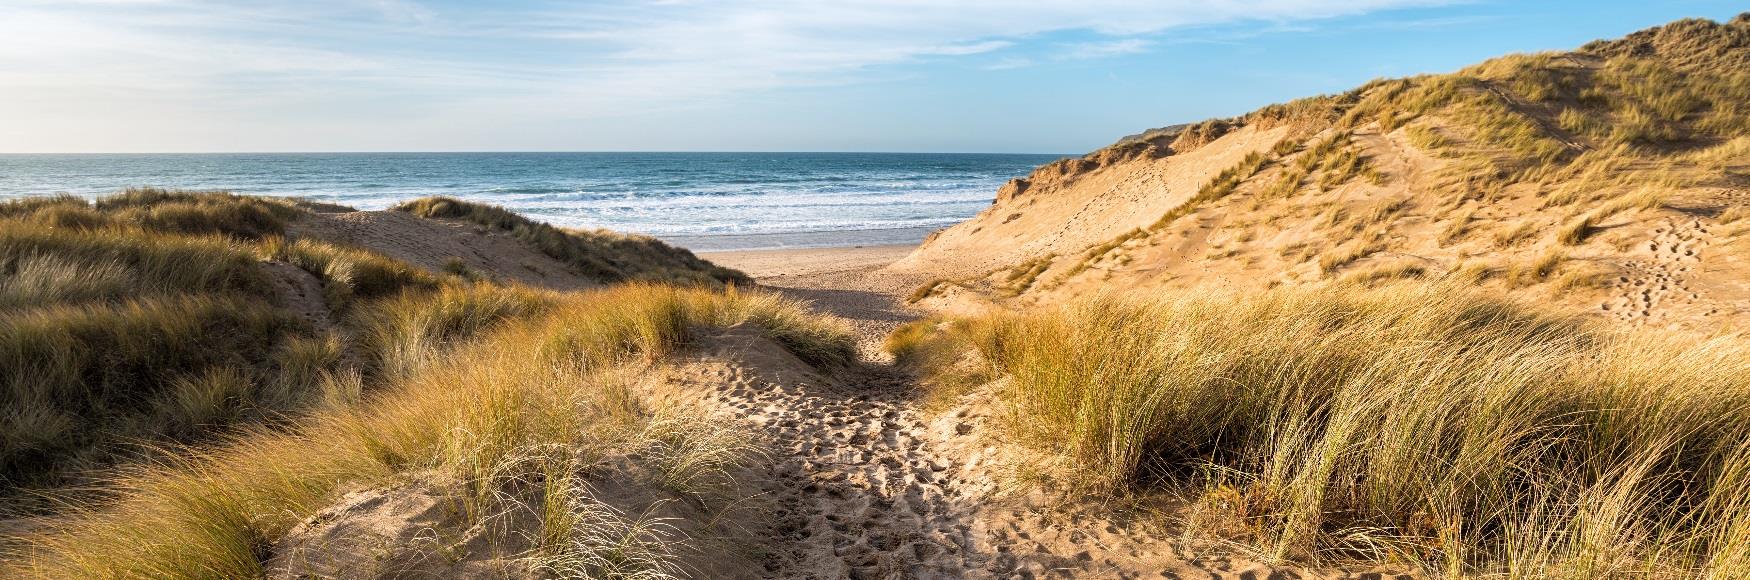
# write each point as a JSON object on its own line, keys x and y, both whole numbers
{"x": 782, "y": 267}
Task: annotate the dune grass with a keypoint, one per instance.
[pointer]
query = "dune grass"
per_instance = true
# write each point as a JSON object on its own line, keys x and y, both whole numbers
{"x": 1021, "y": 277}
{"x": 1411, "y": 423}
{"x": 601, "y": 254}
{"x": 162, "y": 211}
{"x": 148, "y": 317}
{"x": 349, "y": 274}
{"x": 552, "y": 381}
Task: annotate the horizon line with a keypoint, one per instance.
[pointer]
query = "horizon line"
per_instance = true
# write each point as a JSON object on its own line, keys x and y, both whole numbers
{"x": 534, "y": 151}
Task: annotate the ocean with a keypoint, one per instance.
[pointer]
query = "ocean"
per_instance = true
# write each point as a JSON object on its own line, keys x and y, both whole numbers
{"x": 705, "y": 201}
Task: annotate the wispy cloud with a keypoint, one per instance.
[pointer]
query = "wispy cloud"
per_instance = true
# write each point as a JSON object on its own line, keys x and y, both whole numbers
{"x": 219, "y": 61}
{"x": 1088, "y": 50}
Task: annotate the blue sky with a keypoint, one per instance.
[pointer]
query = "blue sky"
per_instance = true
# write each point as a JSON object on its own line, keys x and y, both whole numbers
{"x": 685, "y": 75}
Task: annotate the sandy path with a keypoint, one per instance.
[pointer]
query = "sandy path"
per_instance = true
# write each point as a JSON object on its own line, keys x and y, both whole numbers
{"x": 847, "y": 282}
{"x": 870, "y": 485}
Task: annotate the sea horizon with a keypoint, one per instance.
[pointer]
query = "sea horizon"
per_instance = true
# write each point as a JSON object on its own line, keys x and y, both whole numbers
{"x": 706, "y": 200}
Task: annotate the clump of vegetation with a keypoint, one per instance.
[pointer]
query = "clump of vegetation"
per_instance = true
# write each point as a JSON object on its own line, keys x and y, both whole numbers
{"x": 605, "y": 255}
{"x": 1577, "y": 230}
{"x": 1426, "y": 138}
{"x": 1098, "y": 252}
{"x": 1335, "y": 259}
{"x": 1023, "y": 275}
{"x": 1457, "y": 227}
{"x": 1394, "y": 270}
{"x": 1510, "y": 236}
{"x": 927, "y": 289}
{"x": 1535, "y": 270}
{"x": 1414, "y": 422}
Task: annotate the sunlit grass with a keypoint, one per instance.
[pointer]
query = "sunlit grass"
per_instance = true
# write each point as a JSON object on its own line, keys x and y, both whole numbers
{"x": 1412, "y": 422}
{"x": 549, "y": 380}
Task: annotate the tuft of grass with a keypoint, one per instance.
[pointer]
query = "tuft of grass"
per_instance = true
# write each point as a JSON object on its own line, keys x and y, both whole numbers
{"x": 935, "y": 349}
{"x": 1577, "y": 230}
{"x": 605, "y": 255}
{"x": 1021, "y": 277}
{"x": 402, "y": 334}
{"x": 46, "y": 265}
{"x": 1591, "y": 276}
{"x": 1414, "y": 422}
{"x": 1536, "y": 270}
{"x": 927, "y": 290}
{"x": 583, "y": 537}
{"x": 1456, "y": 229}
{"x": 1426, "y": 138}
{"x": 1337, "y": 258}
{"x": 1511, "y": 236}
{"x": 1395, "y": 270}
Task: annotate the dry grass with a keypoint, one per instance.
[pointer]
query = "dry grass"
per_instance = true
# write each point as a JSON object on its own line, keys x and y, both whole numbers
{"x": 1535, "y": 270}
{"x": 1511, "y": 236}
{"x": 1457, "y": 228}
{"x": 601, "y": 254}
{"x": 1335, "y": 259}
{"x": 1023, "y": 275}
{"x": 348, "y": 274}
{"x": 1577, "y": 230}
{"x": 1412, "y": 423}
{"x": 1588, "y": 276}
{"x": 1098, "y": 252}
{"x": 147, "y": 318}
{"x": 1386, "y": 271}
{"x": 927, "y": 289}
{"x": 540, "y": 383}
{"x": 1426, "y": 138}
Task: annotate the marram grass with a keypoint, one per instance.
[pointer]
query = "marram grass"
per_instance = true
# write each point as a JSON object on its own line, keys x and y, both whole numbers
{"x": 554, "y": 381}
{"x": 1414, "y": 422}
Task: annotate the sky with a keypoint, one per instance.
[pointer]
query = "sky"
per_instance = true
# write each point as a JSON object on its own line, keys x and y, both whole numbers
{"x": 82, "y": 76}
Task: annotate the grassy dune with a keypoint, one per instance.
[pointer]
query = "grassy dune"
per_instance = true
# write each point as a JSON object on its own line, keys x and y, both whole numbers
{"x": 142, "y": 318}
{"x": 545, "y": 395}
{"x": 152, "y": 317}
{"x": 603, "y": 254}
{"x": 1413, "y": 422}
{"x": 148, "y": 359}
{"x": 1589, "y": 149}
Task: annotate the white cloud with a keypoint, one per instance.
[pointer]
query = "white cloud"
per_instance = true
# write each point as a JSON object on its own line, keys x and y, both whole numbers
{"x": 158, "y": 59}
{"x": 1087, "y": 50}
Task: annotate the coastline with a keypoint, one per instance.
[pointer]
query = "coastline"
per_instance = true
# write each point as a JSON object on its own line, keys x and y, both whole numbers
{"x": 716, "y": 243}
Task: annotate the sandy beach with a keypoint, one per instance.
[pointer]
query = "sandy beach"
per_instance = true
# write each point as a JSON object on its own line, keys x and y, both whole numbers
{"x": 775, "y": 267}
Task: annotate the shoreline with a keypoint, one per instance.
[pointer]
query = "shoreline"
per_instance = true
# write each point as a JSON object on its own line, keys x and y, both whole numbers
{"x": 719, "y": 243}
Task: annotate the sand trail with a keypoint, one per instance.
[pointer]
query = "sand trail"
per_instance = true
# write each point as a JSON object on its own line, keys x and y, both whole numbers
{"x": 868, "y": 484}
